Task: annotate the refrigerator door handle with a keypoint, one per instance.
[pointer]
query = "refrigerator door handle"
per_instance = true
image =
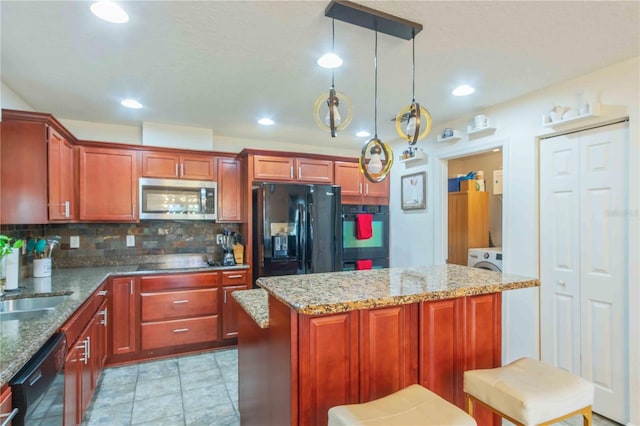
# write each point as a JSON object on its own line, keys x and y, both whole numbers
{"x": 301, "y": 237}
{"x": 309, "y": 237}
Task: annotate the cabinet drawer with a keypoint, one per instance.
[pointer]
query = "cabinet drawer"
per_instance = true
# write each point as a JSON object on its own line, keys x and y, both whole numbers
{"x": 179, "y": 304}
{"x": 174, "y": 281}
{"x": 234, "y": 277}
{"x": 179, "y": 332}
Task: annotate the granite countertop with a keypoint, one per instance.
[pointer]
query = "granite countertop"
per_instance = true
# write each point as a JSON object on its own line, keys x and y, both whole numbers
{"x": 255, "y": 303}
{"x": 21, "y": 339}
{"x": 334, "y": 292}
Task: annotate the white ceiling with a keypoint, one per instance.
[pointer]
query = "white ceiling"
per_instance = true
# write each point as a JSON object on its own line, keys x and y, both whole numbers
{"x": 224, "y": 64}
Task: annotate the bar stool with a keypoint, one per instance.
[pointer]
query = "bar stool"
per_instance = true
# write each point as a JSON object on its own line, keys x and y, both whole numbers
{"x": 413, "y": 405}
{"x": 529, "y": 392}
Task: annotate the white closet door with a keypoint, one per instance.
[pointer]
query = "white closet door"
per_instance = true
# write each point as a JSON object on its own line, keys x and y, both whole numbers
{"x": 559, "y": 245}
{"x": 603, "y": 202}
{"x": 583, "y": 209}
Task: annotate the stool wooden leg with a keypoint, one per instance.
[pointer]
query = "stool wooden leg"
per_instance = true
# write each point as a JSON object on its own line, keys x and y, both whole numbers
{"x": 587, "y": 417}
{"x": 470, "y": 405}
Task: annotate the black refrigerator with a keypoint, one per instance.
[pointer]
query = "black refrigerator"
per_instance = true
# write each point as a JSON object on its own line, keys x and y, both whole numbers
{"x": 297, "y": 229}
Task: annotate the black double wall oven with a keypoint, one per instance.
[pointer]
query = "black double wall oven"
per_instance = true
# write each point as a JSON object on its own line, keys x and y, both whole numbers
{"x": 375, "y": 248}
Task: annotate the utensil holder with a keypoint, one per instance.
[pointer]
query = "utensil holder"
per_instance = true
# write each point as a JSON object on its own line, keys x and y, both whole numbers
{"x": 42, "y": 267}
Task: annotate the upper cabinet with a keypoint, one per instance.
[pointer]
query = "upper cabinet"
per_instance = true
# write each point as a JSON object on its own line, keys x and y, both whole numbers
{"x": 356, "y": 189}
{"x": 229, "y": 186}
{"x": 36, "y": 159}
{"x": 161, "y": 164}
{"x": 108, "y": 184}
{"x": 290, "y": 169}
{"x": 62, "y": 200}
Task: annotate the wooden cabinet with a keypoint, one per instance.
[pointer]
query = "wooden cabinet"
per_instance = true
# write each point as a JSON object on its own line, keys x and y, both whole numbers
{"x": 108, "y": 184}
{"x": 229, "y": 190}
{"x": 23, "y": 164}
{"x": 231, "y": 281}
{"x": 468, "y": 224}
{"x": 5, "y": 405}
{"x": 161, "y": 164}
{"x": 289, "y": 169}
{"x": 123, "y": 306}
{"x": 86, "y": 338}
{"x": 62, "y": 200}
{"x": 356, "y": 189}
{"x": 178, "y": 310}
{"x": 328, "y": 365}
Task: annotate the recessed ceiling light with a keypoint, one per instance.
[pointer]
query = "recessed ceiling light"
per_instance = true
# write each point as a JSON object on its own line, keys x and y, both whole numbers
{"x": 363, "y": 134}
{"x": 330, "y": 60}
{"x": 131, "y": 103}
{"x": 109, "y": 11}
{"x": 496, "y": 150}
{"x": 463, "y": 90}
{"x": 265, "y": 121}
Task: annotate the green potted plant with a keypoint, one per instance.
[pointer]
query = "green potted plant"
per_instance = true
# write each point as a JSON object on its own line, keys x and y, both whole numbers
{"x": 6, "y": 247}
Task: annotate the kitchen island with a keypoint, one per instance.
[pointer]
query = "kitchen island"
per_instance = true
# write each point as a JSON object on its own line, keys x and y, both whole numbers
{"x": 350, "y": 337}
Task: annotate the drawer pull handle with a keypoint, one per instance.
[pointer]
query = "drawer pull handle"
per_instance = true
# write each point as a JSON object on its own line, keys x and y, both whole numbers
{"x": 234, "y": 276}
{"x": 181, "y": 301}
{"x": 180, "y": 330}
{"x": 9, "y": 416}
{"x": 102, "y": 293}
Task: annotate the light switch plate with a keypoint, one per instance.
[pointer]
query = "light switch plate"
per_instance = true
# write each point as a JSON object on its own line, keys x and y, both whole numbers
{"x": 219, "y": 239}
{"x": 74, "y": 241}
{"x": 131, "y": 240}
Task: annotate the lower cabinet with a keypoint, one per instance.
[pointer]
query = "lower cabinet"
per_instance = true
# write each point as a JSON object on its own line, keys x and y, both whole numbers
{"x": 86, "y": 355}
{"x": 5, "y": 405}
{"x": 231, "y": 281}
{"x": 123, "y": 302}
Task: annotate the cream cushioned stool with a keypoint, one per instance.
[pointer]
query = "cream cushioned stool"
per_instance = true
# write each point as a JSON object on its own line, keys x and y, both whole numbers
{"x": 411, "y": 406}
{"x": 529, "y": 392}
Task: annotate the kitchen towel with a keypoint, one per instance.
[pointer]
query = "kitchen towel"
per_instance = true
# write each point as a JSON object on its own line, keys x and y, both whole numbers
{"x": 364, "y": 228}
{"x": 362, "y": 265}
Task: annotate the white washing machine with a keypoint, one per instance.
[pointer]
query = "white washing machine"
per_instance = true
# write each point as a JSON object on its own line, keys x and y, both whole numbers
{"x": 486, "y": 258}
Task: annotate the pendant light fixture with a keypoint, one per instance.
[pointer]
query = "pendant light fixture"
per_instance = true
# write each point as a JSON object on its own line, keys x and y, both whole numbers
{"x": 332, "y": 119}
{"x": 376, "y": 158}
{"x": 418, "y": 118}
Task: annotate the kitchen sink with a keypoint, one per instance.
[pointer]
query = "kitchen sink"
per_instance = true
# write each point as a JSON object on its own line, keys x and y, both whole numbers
{"x": 29, "y": 307}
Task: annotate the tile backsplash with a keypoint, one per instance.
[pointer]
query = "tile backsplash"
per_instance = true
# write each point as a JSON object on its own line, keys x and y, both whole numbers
{"x": 105, "y": 243}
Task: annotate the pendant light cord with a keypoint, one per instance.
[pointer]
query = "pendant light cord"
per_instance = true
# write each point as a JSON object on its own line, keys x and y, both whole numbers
{"x": 413, "y": 66}
{"x": 375, "y": 105}
{"x": 333, "y": 45}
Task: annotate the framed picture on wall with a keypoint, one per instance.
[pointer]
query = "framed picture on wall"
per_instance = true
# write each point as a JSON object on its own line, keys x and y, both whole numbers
{"x": 414, "y": 191}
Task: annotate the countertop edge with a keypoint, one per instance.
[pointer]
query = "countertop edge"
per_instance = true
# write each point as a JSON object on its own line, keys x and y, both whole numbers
{"x": 255, "y": 303}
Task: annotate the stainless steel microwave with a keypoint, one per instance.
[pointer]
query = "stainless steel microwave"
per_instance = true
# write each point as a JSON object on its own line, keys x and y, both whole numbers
{"x": 175, "y": 199}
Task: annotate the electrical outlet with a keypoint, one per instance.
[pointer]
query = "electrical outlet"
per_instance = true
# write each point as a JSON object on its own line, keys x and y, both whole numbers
{"x": 74, "y": 241}
{"x": 131, "y": 240}
{"x": 219, "y": 239}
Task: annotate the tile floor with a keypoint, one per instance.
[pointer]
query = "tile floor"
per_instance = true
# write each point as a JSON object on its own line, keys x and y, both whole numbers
{"x": 189, "y": 390}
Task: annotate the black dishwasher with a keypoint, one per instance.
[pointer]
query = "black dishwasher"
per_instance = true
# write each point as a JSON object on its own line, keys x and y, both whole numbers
{"x": 38, "y": 388}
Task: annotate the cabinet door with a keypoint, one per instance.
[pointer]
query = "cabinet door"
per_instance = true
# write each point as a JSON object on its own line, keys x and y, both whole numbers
{"x": 348, "y": 177}
{"x": 99, "y": 343}
{"x": 328, "y": 365}
{"x": 387, "y": 361}
{"x": 201, "y": 167}
{"x": 86, "y": 344}
{"x": 230, "y": 311}
{"x": 72, "y": 372}
{"x": 160, "y": 165}
{"x": 108, "y": 184}
{"x": 442, "y": 347}
{"x": 5, "y": 405}
{"x": 269, "y": 168}
{"x": 457, "y": 229}
{"x": 61, "y": 182}
{"x": 317, "y": 171}
{"x": 124, "y": 319}
{"x": 23, "y": 160}
{"x": 229, "y": 190}
{"x": 380, "y": 189}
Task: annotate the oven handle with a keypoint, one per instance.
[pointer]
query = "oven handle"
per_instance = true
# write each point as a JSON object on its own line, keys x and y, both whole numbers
{"x": 9, "y": 417}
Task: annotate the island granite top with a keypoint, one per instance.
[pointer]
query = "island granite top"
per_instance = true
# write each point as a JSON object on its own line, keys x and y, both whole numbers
{"x": 335, "y": 292}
